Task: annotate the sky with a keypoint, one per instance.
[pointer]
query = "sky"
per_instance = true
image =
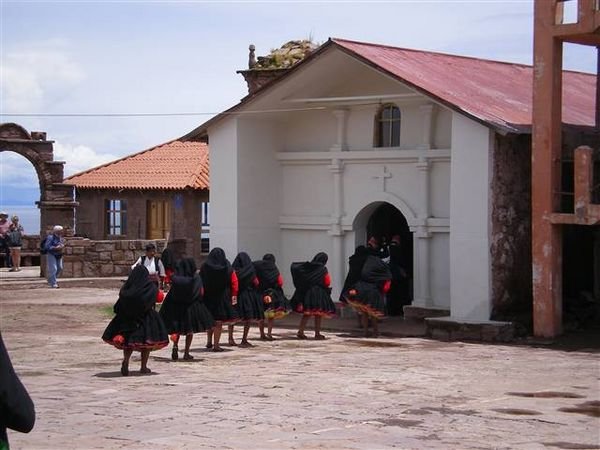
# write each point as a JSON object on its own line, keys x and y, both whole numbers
{"x": 167, "y": 57}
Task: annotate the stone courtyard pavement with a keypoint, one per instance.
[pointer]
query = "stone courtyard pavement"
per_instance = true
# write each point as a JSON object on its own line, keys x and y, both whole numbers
{"x": 343, "y": 393}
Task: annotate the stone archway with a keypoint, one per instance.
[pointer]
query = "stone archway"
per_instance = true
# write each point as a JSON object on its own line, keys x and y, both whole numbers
{"x": 56, "y": 202}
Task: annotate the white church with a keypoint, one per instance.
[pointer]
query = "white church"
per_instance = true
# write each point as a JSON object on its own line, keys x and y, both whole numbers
{"x": 361, "y": 138}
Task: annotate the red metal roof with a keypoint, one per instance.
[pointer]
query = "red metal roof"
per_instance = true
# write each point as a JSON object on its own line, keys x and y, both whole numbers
{"x": 173, "y": 165}
{"x": 498, "y": 94}
{"x": 494, "y": 92}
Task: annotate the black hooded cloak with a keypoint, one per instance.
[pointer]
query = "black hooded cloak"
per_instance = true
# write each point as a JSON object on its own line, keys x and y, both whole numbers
{"x": 136, "y": 324}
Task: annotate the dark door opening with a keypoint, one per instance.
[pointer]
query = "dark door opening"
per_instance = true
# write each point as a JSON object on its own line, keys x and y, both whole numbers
{"x": 581, "y": 277}
{"x": 387, "y": 223}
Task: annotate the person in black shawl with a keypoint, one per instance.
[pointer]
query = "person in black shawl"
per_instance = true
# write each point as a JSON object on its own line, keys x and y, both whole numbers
{"x": 399, "y": 295}
{"x": 220, "y": 295}
{"x": 367, "y": 295}
{"x": 168, "y": 259}
{"x": 136, "y": 326}
{"x": 183, "y": 310}
{"x": 355, "y": 263}
{"x": 270, "y": 287}
{"x": 16, "y": 408}
{"x": 313, "y": 294}
{"x": 249, "y": 302}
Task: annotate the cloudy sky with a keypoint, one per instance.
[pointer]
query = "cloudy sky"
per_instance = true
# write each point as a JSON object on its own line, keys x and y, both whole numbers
{"x": 107, "y": 57}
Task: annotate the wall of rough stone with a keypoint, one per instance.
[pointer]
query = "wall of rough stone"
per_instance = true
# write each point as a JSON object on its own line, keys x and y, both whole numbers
{"x": 87, "y": 258}
{"x": 511, "y": 229}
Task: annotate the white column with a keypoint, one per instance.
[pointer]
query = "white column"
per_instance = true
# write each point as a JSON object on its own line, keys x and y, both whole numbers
{"x": 427, "y": 116}
{"x": 342, "y": 119}
{"x": 422, "y": 238}
{"x": 337, "y": 261}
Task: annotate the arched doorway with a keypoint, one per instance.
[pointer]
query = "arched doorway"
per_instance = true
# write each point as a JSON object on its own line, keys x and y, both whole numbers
{"x": 56, "y": 202}
{"x": 386, "y": 223}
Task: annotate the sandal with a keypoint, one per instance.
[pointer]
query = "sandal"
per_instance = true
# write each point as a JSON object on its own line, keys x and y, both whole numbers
{"x": 301, "y": 336}
{"x": 145, "y": 370}
{"x": 320, "y": 337}
{"x": 218, "y": 349}
{"x": 187, "y": 357}
{"x": 246, "y": 344}
{"x": 175, "y": 354}
{"x": 209, "y": 346}
{"x": 124, "y": 369}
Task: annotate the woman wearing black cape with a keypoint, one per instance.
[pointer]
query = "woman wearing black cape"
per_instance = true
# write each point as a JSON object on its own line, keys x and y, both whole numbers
{"x": 367, "y": 295}
{"x": 270, "y": 287}
{"x": 136, "y": 326}
{"x": 249, "y": 302}
{"x": 220, "y": 295}
{"x": 312, "y": 297}
{"x": 17, "y": 411}
{"x": 183, "y": 310}
{"x": 355, "y": 266}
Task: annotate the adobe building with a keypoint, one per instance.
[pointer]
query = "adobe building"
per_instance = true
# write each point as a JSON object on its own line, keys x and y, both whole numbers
{"x": 159, "y": 193}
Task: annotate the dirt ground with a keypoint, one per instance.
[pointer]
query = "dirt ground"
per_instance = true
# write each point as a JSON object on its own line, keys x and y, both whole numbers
{"x": 342, "y": 393}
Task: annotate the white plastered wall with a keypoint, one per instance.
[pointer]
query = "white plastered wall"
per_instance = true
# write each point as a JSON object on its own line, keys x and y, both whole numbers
{"x": 258, "y": 187}
{"x": 224, "y": 186}
{"x": 273, "y": 182}
{"x": 470, "y": 286}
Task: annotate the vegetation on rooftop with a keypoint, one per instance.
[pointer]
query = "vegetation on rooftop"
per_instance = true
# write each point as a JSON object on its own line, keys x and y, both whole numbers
{"x": 287, "y": 55}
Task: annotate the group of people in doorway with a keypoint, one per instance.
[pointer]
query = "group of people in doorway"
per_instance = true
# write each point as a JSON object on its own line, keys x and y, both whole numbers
{"x": 11, "y": 241}
{"x": 222, "y": 294}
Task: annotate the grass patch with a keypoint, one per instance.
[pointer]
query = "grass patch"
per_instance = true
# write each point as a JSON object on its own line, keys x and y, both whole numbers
{"x": 107, "y": 311}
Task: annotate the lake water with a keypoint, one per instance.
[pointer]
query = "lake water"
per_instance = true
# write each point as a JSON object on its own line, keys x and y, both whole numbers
{"x": 29, "y": 217}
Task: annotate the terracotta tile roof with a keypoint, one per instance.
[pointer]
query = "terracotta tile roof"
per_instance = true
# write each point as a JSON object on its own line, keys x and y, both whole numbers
{"x": 495, "y": 93}
{"x": 173, "y": 165}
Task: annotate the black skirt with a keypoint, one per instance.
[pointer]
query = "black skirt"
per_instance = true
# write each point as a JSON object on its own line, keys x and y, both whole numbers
{"x": 145, "y": 333}
{"x": 367, "y": 299}
{"x": 314, "y": 302}
{"x": 276, "y": 304}
{"x": 182, "y": 318}
{"x": 221, "y": 308}
{"x": 249, "y": 306}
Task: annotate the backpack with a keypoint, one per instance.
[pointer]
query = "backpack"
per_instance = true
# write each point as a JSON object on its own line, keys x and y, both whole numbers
{"x": 43, "y": 250}
{"x": 14, "y": 238}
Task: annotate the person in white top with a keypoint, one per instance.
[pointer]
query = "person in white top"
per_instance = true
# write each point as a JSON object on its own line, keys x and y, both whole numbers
{"x": 153, "y": 264}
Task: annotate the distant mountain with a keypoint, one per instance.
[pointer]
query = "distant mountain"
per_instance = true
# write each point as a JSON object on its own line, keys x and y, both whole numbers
{"x": 25, "y": 196}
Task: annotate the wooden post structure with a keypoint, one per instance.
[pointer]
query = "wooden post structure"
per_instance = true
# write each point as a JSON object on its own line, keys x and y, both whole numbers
{"x": 549, "y": 35}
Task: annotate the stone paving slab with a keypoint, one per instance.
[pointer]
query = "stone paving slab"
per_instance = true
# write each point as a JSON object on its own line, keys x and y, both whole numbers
{"x": 342, "y": 393}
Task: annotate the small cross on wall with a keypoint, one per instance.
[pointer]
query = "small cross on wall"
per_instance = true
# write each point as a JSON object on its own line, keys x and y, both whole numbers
{"x": 382, "y": 176}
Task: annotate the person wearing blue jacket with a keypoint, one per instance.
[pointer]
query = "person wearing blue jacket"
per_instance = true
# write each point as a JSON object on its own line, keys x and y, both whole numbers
{"x": 54, "y": 246}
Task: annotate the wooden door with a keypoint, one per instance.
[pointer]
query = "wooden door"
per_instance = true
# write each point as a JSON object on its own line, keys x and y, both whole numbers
{"x": 159, "y": 219}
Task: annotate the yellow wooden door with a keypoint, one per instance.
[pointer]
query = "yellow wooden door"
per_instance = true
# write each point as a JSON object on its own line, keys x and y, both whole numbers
{"x": 159, "y": 219}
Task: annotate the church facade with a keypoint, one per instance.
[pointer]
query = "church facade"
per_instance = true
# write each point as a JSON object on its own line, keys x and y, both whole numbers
{"x": 362, "y": 139}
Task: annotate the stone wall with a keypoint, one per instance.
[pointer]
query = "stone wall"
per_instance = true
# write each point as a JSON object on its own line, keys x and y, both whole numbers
{"x": 511, "y": 229}
{"x": 103, "y": 258}
{"x": 87, "y": 258}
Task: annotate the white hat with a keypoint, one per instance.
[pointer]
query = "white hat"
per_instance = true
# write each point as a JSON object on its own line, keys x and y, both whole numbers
{"x": 57, "y": 228}
{"x": 3, "y": 213}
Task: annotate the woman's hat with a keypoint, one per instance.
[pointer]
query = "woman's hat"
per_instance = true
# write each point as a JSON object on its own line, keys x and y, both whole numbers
{"x": 3, "y": 214}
